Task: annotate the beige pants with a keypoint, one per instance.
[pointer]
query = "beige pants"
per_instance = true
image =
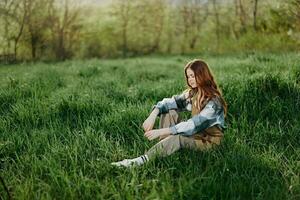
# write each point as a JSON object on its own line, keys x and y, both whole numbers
{"x": 203, "y": 141}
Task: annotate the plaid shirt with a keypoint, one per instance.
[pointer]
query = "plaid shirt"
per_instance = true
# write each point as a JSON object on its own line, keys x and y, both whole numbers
{"x": 212, "y": 114}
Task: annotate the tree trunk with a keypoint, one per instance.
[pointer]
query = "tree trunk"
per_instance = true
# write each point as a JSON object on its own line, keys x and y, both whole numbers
{"x": 242, "y": 17}
{"x": 33, "y": 47}
{"x": 186, "y": 29}
{"x": 124, "y": 38}
{"x": 60, "y": 52}
{"x": 254, "y": 15}
{"x": 217, "y": 23}
{"x": 17, "y": 38}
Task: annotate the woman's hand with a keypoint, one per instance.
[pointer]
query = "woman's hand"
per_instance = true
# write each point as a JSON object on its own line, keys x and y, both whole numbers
{"x": 150, "y": 121}
{"x": 153, "y": 134}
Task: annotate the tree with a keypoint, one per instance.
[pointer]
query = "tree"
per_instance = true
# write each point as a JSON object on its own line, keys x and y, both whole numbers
{"x": 194, "y": 13}
{"x": 159, "y": 9}
{"x": 217, "y": 22}
{"x": 254, "y": 15}
{"x": 36, "y": 22}
{"x": 295, "y": 12}
{"x": 121, "y": 10}
{"x": 146, "y": 26}
{"x": 14, "y": 14}
{"x": 63, "y": 20}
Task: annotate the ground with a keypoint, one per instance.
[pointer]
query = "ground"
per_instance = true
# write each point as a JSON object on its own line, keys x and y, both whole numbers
{"x": 62, "y": 124}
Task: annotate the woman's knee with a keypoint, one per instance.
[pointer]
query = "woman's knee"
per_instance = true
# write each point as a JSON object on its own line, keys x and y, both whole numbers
{"x": 168, "y": 119}
{"x": 173, "y": 113}
{"x": 172, "y": 139}
{"x": 182, "y": 141}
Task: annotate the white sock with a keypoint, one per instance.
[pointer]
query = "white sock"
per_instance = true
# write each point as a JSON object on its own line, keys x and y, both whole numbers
{"x": 140, "y": 160}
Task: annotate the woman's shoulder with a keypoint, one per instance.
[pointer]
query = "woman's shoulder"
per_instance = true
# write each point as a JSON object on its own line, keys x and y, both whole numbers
{"x": 216, "y": 100}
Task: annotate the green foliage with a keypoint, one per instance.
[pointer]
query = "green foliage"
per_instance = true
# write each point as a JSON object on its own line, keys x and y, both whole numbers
{"x": 270, "y": 98}
{"x": 62, "y": 124}
{"x": 59, "y": 30}
{"x": 296, "y": 75}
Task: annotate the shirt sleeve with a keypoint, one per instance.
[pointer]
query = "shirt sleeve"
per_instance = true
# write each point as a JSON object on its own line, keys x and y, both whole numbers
{"x": 206, "y": 118}
{"x": 177, "y": 102}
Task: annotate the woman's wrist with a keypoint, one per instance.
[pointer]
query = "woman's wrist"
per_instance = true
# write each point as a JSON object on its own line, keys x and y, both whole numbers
{"x": 165, "y": 131}
{"x": 155, "y": 112}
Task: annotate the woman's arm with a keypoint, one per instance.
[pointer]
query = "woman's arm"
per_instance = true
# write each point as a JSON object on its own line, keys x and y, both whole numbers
{"x": 210, "y": 115}
{"x": 153, "y": 134}
{"x": 177, "y": 102}
{"x": 150, "y": 121}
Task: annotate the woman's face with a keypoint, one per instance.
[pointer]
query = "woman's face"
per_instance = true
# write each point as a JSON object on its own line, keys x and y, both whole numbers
{"x": 191, "y": 78}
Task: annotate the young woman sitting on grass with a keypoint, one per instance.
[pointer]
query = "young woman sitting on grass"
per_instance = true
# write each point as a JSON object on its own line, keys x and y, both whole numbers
{"x": 201, "y": 132}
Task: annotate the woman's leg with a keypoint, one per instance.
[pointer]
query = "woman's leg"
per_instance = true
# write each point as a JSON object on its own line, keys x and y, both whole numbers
{"x": 166, "y": 120}
{"x": 170, "y": 145}
{"x": 209, "y": 138}
{"x": 169, "y": 119}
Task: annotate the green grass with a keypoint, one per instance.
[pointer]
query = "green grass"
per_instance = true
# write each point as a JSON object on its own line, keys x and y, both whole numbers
{"x": 62, "y": 124}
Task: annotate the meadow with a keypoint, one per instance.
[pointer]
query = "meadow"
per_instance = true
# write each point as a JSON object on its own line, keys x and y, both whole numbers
{"x": 63, "y": 123}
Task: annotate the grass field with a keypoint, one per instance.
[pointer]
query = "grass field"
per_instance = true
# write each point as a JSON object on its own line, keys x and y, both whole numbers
{"x": 62, "y": 124}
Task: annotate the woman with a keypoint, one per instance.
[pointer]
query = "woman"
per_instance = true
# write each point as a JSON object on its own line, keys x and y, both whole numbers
{"x": 203, "y": 131}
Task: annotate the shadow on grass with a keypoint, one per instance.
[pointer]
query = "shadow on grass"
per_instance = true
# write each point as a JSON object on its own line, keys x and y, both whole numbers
{"x": 230, "y": 171}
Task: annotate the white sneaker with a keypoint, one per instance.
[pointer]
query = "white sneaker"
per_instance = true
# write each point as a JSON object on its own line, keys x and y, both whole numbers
{"x": 123, "y": 163}
{"x": 131, "y": 162}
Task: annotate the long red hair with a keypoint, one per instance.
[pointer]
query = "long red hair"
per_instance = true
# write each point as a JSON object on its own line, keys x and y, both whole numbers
{"x": 206, "y": 84}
